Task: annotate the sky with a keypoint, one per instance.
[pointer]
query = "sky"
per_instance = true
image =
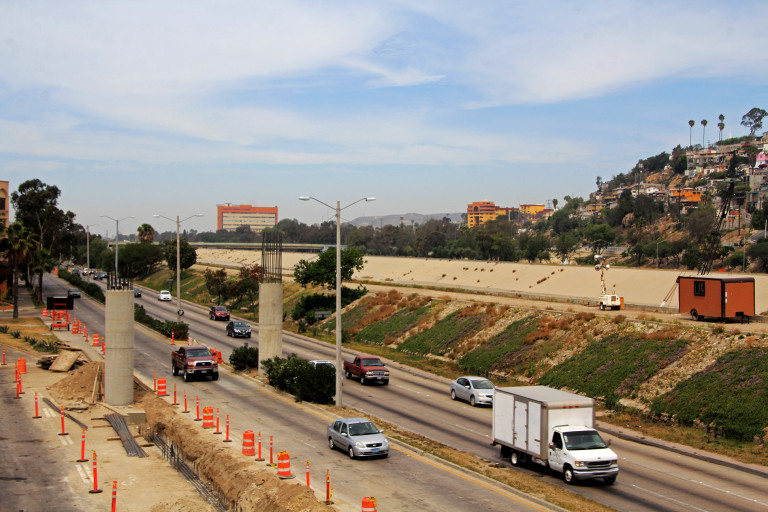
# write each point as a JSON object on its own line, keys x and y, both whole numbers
{"x": 135, "y": 108}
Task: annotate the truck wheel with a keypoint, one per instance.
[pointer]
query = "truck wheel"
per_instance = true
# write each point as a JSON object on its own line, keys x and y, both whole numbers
{"x": 695, "y": 315}
{"x": 610, "y": 480}
{"x": 362, "y": 379}
{"x": 568, "y": 475}
{"x": 385, "y": 382}
{"x": 516, "y": 458}
{"x": 472, "y": 400}
{"x": 215, "y": 376}
{"x": 347, "y": 374}
{"x": 602, "y": 307}
{"x": 187, "y": 376}
{"x": 174, "y": 370}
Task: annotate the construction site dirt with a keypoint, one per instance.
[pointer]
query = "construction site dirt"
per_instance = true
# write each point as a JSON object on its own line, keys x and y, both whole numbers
{"x": 57, "y": 480}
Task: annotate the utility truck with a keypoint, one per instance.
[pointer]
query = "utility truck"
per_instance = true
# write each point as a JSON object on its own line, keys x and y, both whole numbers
{"x": 552, "y": 428}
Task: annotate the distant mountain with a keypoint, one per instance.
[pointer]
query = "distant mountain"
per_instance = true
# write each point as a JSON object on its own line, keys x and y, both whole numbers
{"x": 405, "y": 218}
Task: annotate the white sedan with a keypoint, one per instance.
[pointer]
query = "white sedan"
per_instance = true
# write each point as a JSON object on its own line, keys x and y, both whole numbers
{"x": 475, "y": 390}
{"x": 164, "y": 295}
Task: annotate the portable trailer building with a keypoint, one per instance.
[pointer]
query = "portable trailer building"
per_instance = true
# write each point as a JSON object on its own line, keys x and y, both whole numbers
{"x": 717, "y": 297}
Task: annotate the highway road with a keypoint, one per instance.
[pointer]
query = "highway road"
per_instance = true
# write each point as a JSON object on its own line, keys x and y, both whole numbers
{"x": 405, "y": 480}
{"x": 651, "y": 479}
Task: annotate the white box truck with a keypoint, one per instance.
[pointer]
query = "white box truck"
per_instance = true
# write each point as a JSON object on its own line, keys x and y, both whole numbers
{"x": 553, "y": 428}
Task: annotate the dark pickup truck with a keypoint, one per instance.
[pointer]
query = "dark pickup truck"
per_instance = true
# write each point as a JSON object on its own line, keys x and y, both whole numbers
{"x": 367, "y": 369}
{"x": 194, "y": 361}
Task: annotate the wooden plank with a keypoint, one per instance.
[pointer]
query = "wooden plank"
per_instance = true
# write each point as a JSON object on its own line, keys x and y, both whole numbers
{"x": 65, "y": 360}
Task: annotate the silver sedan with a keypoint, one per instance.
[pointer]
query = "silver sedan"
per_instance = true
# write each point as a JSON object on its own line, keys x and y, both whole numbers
{"x": 475, "y": 390}
{"x": 358, "y": 437}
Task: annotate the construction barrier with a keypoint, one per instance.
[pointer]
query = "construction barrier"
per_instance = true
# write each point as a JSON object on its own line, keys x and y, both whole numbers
{"x": 284, "y": 465}
{"x": 45, "y": 311}
{"x": 82, "y": 448}
{"x": 369, "y": 504}
{"x": 208, "y": 417}
{"x": 64, "y": 432}
{"x": 259, "y": 458}
{"x": 218, "y": 430}
{"x": 37, "y": 409}
{"x": 4, "y": 356}
{"x": 95, "y": 489}
{"x": 248, "y": 448}
{"x": 161, "y": 388}
{"x": 22, "y": 363}
{"x": 114, "y": 495}
{"x": 95, "y": 340}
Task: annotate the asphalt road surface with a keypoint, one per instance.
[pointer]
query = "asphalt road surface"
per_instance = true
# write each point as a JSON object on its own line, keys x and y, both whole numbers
{"x": 651, "y": 479}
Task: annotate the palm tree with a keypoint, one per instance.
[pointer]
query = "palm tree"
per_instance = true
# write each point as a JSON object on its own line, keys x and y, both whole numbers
{"x": 19, "y": 246}
{"x": 146, "y": 233}
{"x": 691, "y": 123}
{"x": 704, "y": 131}
{"x": 42, "y": 263}
{"x": 721, "y": 125}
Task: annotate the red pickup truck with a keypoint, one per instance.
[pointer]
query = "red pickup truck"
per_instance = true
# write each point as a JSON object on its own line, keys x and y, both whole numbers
{"x": 193, "y": 361}
{"x": 367, "y": 369}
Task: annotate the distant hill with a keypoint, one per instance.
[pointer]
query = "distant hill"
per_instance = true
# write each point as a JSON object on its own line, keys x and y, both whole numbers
{"x": 405, "y": 218}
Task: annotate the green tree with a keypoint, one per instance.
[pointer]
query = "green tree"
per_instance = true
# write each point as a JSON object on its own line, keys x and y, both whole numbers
{"x": 703, "y": 132}
{"x": 565, "y": 245}
{"x": 322, "y": 271}
{"x": 699, "y": 221}
{"x": 146, "y": 234}
{"x": 215, "y": 282}
{"x": 187, "y": 253}
{"x": 140, "y": 259}
{"x": 691, "y": 124}
{"x": 36, "y": 208}
{"x": 753, "y": 120}
{"x": 42, "y": 262}
{"x": 19, "y": 246}
{"x": 599, "y": 236}
{"x": 759, "y": 252}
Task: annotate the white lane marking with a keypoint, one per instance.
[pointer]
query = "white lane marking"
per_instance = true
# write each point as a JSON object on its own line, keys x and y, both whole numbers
{"x": 65, "y": 440}
{"x": 48, "y": 413}
{"x": 668, "y": 498}
{"x": 84, "y": 476}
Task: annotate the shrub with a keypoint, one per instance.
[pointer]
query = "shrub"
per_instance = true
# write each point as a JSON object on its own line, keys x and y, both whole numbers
{"x": 15, "y": 334}
{"x": 4, "y": 329}
{"x": 296, "y": 376}
{"x": 180, "y": 330}
{"x": 307, "y": 305}
{"x": 244, "y": 357}
{"x": 91, "y": 289}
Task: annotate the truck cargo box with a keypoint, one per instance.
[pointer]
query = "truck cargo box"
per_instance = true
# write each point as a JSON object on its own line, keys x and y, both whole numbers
{"x": 716, "y": 297}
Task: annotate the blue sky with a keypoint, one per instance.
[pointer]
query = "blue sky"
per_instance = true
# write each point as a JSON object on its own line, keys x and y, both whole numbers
{"x": 140, "y": 107}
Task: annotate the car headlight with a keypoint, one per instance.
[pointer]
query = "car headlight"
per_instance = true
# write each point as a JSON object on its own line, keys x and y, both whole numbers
{"x": 359, "y": 444}
{"x": 386, "y": 374}
{"x": 580, "y": 464}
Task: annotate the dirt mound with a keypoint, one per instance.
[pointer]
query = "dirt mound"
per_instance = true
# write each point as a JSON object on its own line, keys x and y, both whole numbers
{"x": 236, "y": 476}
{"x": 78, "y": 385}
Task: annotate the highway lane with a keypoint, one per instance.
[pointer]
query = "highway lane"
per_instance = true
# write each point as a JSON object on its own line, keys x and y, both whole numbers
{"x": 650, "y": 479}
{"x": 403, "y": 481}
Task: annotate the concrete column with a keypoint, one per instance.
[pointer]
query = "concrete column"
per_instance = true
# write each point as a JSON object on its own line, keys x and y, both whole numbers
{"x": 118, "y": 365}
{"x": 270, "y": 321}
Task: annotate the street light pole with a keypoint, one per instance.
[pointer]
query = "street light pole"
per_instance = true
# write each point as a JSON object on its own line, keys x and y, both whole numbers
{"x": 339, "y": 330}
{"x": 117, "y": 236}
{"x": 178, "y": 260}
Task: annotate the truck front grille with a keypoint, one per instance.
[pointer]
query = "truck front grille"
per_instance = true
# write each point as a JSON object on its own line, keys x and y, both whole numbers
{"x": 202, "y": 363}
{"x": 599, "y": 464}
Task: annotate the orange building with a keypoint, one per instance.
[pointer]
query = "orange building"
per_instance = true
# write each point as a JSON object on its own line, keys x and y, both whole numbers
{"x": 686, "y": 195}
{"x": 230, "y": 217}
{"x": 481, "y": 212}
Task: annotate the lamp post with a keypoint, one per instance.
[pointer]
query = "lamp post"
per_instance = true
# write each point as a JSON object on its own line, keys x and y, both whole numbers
{"x": 117, "y": 236}
{"x": 178, "y": 260}
{"x": 88, "y": 244}
{"x": 338, "y": 286}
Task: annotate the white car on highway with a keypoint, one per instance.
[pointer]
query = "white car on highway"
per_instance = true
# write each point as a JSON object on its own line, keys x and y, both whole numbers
{"x": 475, "y": 390}
{"x": 164, "y": 295}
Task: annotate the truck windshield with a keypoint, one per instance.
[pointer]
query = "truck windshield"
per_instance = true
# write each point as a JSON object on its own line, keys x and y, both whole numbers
{"x": 198, "y": 352}
{"x": 583, "y": 440}
{"x": 372, "y": 362}
{"x": 362, "y": 429}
